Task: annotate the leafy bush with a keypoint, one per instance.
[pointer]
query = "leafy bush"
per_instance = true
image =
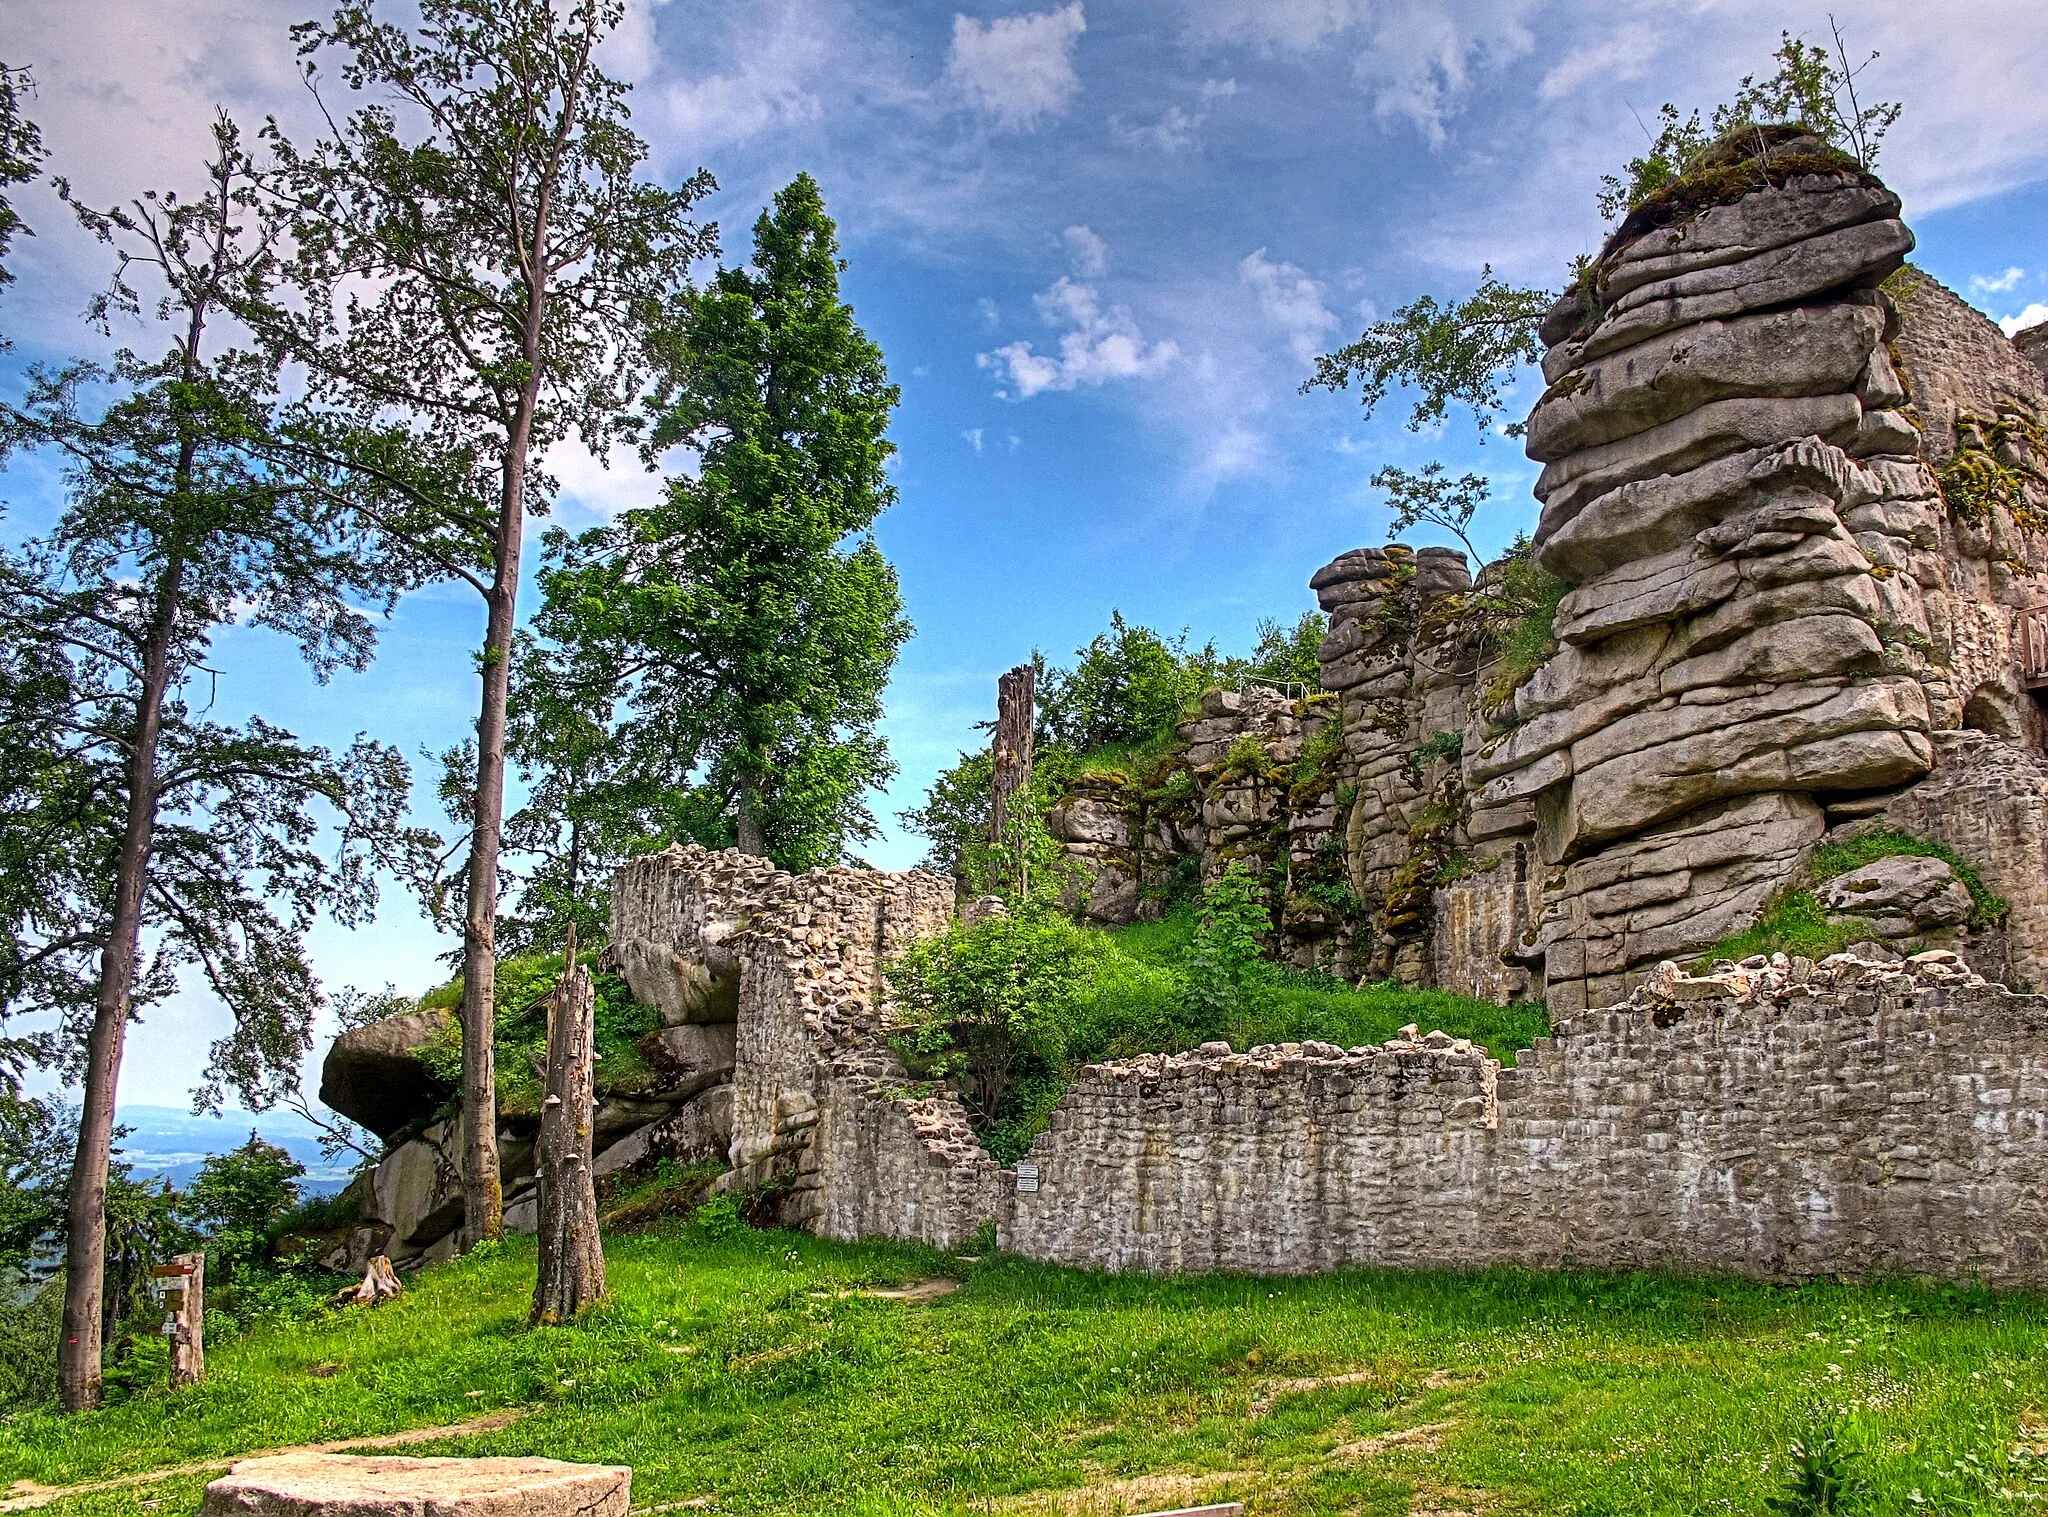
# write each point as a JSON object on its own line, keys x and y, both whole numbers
{"x": 987, "y": 1003}
{"x": 1059, "y": 996}
{"x": 1283, "y": 655}
{"x": 1128, "y": 685}
{"x": 235, "y": 1201}
{"x": 1813, "y": 90}
{"x": 523, "y": 987}
{"x": 720, "y": 1217}
{"x": 1225, "y": 961}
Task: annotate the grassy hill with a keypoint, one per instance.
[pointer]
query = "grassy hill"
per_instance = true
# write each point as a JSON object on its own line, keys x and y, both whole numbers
{"x": 762, "y": 1372}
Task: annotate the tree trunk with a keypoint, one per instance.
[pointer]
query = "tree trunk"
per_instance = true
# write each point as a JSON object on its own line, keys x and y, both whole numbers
{"x": 1016, "y": 719}
{"x": 747, "y": 833}
{"x": 571, "y": 1274}
{"x": 188, "y": 1320}
{"x": 85, "y": 1244}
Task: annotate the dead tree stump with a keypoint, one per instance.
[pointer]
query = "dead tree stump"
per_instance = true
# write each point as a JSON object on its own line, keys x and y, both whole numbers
{"x": 571, "y": 1256}
{"x": 380, "y": 1283}
{"x": 1016, "y": 719}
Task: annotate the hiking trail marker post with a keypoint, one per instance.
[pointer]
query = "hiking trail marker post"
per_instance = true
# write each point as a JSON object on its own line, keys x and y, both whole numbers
{"x": 181, "y": 1285}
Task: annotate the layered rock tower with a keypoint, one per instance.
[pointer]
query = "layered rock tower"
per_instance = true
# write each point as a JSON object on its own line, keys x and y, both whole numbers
{"x": 1793, "y": 498}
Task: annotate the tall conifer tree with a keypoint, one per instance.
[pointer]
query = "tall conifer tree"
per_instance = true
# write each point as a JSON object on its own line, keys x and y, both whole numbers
{"x": 742, "y": 630}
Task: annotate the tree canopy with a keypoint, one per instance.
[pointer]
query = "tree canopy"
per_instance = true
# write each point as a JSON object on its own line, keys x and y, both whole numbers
{"x": 729, "y": 645}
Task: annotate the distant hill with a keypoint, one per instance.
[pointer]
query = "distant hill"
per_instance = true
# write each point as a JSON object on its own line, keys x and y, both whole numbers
{"x": 172, "y": 1143}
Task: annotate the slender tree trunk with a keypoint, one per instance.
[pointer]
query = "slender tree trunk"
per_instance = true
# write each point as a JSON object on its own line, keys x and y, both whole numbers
{"x": 1016, "y": 721}
{"x": 483, "y": 1194}
{"x": 85, "y": 1244}
{"x": 571, "y": 1274}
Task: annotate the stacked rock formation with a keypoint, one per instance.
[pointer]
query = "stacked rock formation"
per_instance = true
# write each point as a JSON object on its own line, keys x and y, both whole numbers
{"x": 1722, "y": 416}
{"x": 1794, "y": 495}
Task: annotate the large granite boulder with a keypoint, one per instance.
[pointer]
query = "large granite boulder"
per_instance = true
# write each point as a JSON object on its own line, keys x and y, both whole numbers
{"x": 371, "y": 1074}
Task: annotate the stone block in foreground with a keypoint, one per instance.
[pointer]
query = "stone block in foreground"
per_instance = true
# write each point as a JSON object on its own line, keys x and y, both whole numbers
{"x": 379, "y": 1485}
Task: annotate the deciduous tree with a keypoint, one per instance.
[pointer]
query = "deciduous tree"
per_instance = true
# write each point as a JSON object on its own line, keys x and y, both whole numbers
{"x": 477, "y": 261}
{"x": 142, "y": 835}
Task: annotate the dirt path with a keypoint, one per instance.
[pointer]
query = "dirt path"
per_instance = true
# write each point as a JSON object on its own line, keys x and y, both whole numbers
{"x": 26, "y": 1495}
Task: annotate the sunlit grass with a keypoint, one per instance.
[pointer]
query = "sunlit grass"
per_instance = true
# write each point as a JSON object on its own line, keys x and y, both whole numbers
{"x": 751, "y": 1372}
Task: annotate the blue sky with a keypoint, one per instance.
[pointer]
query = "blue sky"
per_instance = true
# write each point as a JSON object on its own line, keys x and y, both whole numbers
{"x": 1100, "y": 242}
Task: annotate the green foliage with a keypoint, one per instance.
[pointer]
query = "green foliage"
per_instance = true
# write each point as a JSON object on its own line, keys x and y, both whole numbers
{"x": 236, "y": 1200}
{"x": 1006, "y": 1010}
{"x": 2000, "y": 464}
{"x": 1821, "y": 1478}
{"x": 30, "y": 1319}
{"x": 732, "y": 641}
{"x": 1282, "y": 655}
{"x": 522, "y": 988}
{"x": 21, "y": 155}
{"x": 1128, "y": 685}
{"x": 1813, "y": 89}
{"x": 1438, "y": 745}
{"x": 720, "y": 1217}
{"x": 1516, "y": 614}
{"x": 1451, "y": 354}
{"x": 954, "y": 818}
{"x": 1795, "y": 922}
{"x": 985, "y": 1004}
{"x": 184, "y": 514}
{"x": 1430, "y": 497}
{"x": 1225, "y": 965}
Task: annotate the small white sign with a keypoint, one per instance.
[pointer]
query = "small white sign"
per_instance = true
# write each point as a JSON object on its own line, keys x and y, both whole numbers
{"x": 1027, "y": 1177}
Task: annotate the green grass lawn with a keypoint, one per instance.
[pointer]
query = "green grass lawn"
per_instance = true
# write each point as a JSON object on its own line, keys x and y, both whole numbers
{"x": 750, "y": 1375}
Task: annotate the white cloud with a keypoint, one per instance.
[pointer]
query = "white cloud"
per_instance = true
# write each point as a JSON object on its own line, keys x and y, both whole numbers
{"x": 972, "y": 436}
{"x": 1415, "y": 60}
{"x": 776, "y": 82}
{"x": 1102, "y": 344}
{"x": 2032, "y": 316}
{"x": 1291, "y": 298}
{"x": 1625, "y": 55}
{"x": 1175, "y": 131}
{"x": 1986, "y": 285}
{"x": 1017, "y": 69}
{"x": 1088, "y": 252}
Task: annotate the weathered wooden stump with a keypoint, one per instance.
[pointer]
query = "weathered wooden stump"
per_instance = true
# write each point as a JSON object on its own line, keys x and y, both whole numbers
{"x": 380, "y": 1485}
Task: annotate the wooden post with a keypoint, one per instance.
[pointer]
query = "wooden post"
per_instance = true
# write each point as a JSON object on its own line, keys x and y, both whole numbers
{"x": 1016, "y": 718}
{"x": 571, "y": 1273}
{"x": 183, "y": 1284}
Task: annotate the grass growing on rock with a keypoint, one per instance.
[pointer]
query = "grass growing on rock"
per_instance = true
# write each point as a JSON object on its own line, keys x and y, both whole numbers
{"x": 1796, "y": 923}
{"x": 754, "y": 1373}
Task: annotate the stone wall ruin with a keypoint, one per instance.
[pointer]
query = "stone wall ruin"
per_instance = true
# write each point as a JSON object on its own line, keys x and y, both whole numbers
{"x": 1788, "y": 1121}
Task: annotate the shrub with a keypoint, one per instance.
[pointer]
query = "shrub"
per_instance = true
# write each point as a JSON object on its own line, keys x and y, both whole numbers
{"x": 985, "y": 1004}
{"x": 720, "y": 1217}
{"x": 1226, "y": 958}
{"x": 236, "y": 1200}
